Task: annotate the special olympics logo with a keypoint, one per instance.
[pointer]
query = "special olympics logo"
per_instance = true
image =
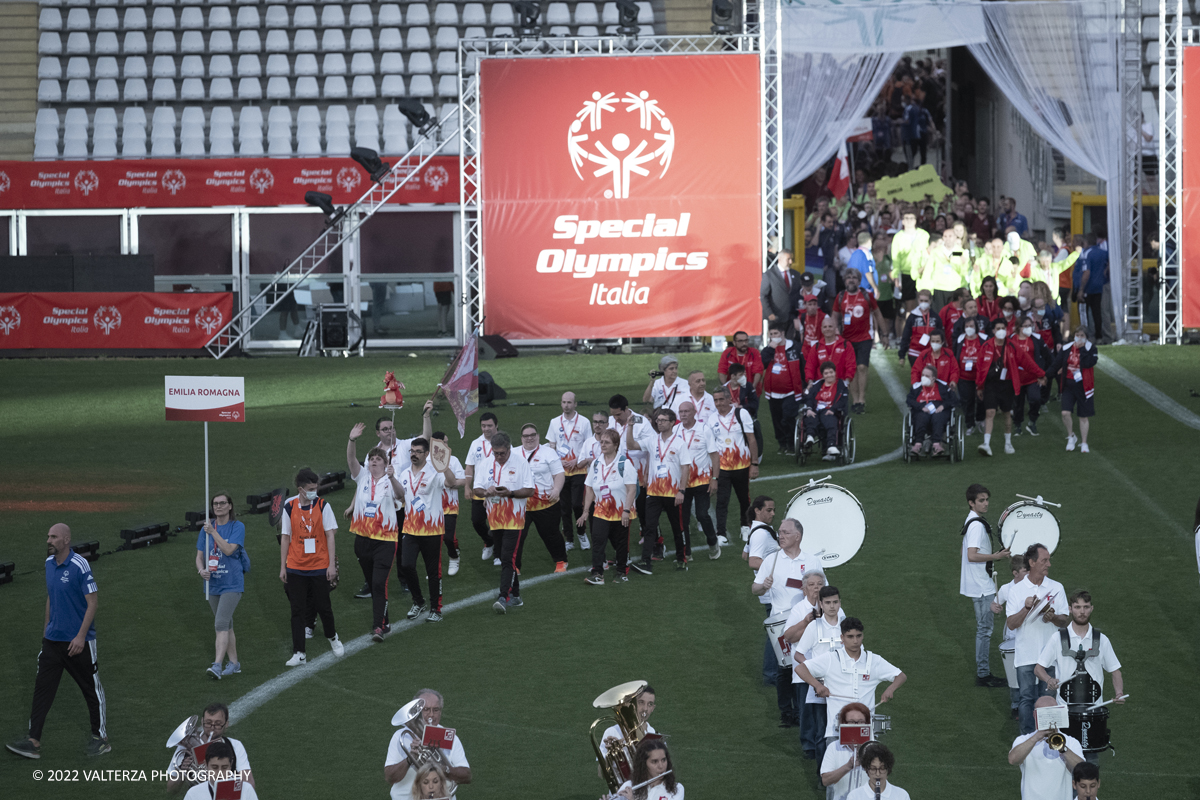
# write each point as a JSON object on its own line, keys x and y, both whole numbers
{"x": 107, "y": 319}
{"x": 173, "y": 180}
{"x": 348, "y": 178}
{"x": 4, "y": 182}
{"x": 10, "y": 319}
{"x": 86, "y": 181}
{"x": 436, "y": 177}
{"x": 262, "y": 179}
{"x": 209, "y": 319}
{"x": 858, "y": 312}
{"x": 617, "y": 155}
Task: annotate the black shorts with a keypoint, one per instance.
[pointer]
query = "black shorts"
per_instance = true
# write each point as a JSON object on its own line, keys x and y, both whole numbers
{"x": 443, "y": 298}
{"x": 1073, "y": 399}
{"x": 862, "y": 352}
{"x": 908, "y": 290}
{"x": 887, "y": 308}
{"x": 998, "y": 395}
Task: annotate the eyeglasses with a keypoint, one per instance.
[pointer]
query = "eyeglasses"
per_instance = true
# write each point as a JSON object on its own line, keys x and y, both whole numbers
{"x": 876, "y": 770}
{"x": 221, "y": 503}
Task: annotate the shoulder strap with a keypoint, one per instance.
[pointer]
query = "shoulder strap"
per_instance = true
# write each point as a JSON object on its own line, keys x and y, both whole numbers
{"x": 990, "y": 565}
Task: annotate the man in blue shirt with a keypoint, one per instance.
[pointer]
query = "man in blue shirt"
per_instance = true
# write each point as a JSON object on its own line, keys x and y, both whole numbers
{"x": 1010, "y": 217}
{"x": 69, "y": 643}
{"x": 1093, "y": 279}
{"x": 863, "y": 260}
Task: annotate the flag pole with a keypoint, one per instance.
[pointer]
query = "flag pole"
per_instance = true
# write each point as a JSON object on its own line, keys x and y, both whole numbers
{"x": 207, "y": 543}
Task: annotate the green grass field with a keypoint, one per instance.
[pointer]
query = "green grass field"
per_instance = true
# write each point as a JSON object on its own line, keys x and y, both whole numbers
{"x": 85, "y": 442}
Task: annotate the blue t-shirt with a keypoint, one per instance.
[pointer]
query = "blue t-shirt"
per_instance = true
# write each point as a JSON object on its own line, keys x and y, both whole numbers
{"x": 1097, "y": 265}
{"x": 227, "y": 577}
{"x": 864, "y": 262}
{"x": 68, "y": 585}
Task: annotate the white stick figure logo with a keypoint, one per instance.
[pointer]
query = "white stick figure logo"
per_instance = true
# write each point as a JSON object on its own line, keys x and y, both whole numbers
{"x": 10, "y": 319}
{"x": 107, "y": 319}
{"x": 86, "y": 181}
{"x": 262, "y": 179}
{"x": 348, "y": 178}
{"x": 209, "y": 318}
{"x": 617, "y": 155}
{"x": 436, "y": 177}
{"x": 4, "y": 182}
{"x": 173, "y": 180}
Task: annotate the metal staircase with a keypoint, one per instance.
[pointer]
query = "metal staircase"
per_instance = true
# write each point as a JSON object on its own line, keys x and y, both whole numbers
{"x": 350, "y": 220}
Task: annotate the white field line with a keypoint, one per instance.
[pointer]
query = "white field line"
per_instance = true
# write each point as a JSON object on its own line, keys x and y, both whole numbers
{"x": 1148, "y": 393}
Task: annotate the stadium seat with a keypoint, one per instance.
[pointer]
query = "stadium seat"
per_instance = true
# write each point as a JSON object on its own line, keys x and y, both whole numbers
{"x": 392, "y": 86}
{"x": 106, "y": 67}
{"x": 164, "y": 42}
{"x": 45, "y": 150}
{"x": 164, "y": 90}
{"x": 362, "y": 64}
{"x": 473, "y": 14}
{"x": 502, "y": 30}
{"x": 391, "y": 64}
{"x": 135, "y": 19}
{"x": 164, "y": 67}
{"x": 389, "y": 39}
{"x": 133, "y": 142}
{"x": 560, "y": 30}
{"x": 587, "y": 30}
{"x": 278, "y": 88}
{"x": 250, "y": 116}
{"x": 221, "y": 146}
{"x": 50, "y": 19}
{"x": 191, "y": 89}
{"x": 474, "y": 33}
{"x": 337, "y": 140}
{"x": 107, "y": 91}
{"x": 248, "y": 42}
{"x": 306, "y": 88}
{"x": 49, "y": 68}
{"x": 361, "y": 39}
{"x": 79, "y": 67}
{"x": 106, "y": 43}
{"x": 502, "y": 14}
{"x": 446, "y": 39}
{"x": 396, "y": 143}
{"x": 191, "y": 145}
{"x": 78, "y": 91}
{"x": 134, "y": 91}
{"x": 104, "y": 142}
{"x": 249, "y": 66}
{"x": 277, "y": 16}
{"x": 78, "y": 43}
{"x": 78, "y": 19}
{"x": 104, "y": 117}
{"x": 364, "y": 114}
{"x": 419, "y": 63}
{"x": 610, "y": 15}
{"x": 75, "y": 120}
{"x": 219, "y": 66}
{"x": 75, "y": 148}
{"x": 332, "y": 17}
{"x": 389, "y": 14}
{"x": 191, "y": 42}
{"x": 304, "y": 17}
{"x": 337, "y": 113}
{"x": 133, "y": 117}
{"x": 277, "y": 64}
{"x": 585, "y": 14}
{"x": 49, "y": 44}
{"x": 107, "y": 20}
{"x": 445, "y": 14}
{"x": 333, "y": 40}
{"x": 447, "y": 86}
{"x": 277, "y": 41}
{"x": 220, "y": 89}
{"x": 221, "y": 42}
{"x": 249, "y": 89}
{"x": 556, "y": 14}
{"x": 420, "y": 86}
{"x": 191, "y": 120}
{"x": 279, "y": 146}
{"x": 308, "y": 143}
{"x": 221, "y": 116}
{"x": 305, "y": 41}
{"x": 191, "y": 19}
{"x": 191, "y": 67}
{"x": 335, "y": 86}
{"x": 645, "y": 13}
{"x": 249, "y": 144}
{"x": 361, "y": 16}
{"x": 247, "y": 17}
{"x": 163, "y": 19}
{"x": 307, "y": 116}
{"x": 219, "y": 17}
{"x": 162, "y": 148}
{"x": 364, "y": 86}
{"x": 417, "y": 14}
{"x": 163, "y": 123}
{"x": 447, "y": 63}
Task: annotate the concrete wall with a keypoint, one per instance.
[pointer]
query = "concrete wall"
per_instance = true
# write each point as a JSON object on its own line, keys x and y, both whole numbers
{"x": 18, "y": 79}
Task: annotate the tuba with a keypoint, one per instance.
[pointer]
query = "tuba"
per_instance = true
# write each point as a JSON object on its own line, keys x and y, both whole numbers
{"x": 189, "y": 735}
{"x": 412, "y": 739}
{"x": 616, "y": 755}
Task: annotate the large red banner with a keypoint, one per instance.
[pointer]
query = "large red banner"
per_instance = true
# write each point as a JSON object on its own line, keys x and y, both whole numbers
{"x": 112, "y": 320}
{"x": 621, "y": 196}
{"x": 1189, "y": 189}
{"x": 199, "y": 183}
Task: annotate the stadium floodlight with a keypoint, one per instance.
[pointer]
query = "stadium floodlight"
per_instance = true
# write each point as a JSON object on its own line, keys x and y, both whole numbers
{"x": 627, "y": 17}
{"x": 89, "y": 550}
{"x": 6, "y": 571}
{"x": 529, "y": 14}
{"x": 369, "y": 160}
{"x": 325, "y": 203}
{"x": 144, "y": 536}
{"x": 724, "y": 17}
{"x": 414, "y": 111}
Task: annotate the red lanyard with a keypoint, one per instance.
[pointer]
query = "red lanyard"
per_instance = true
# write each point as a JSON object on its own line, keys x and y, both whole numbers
{"x": 604, "y": 473}
{"x": 497, "y": 471}
{"x": 571, "y": 435}
{"x": 416, "y": 483}
{"x": 658, "y": 446}
{"x": 732, "y": 419}
{"x": 486, "y": 453}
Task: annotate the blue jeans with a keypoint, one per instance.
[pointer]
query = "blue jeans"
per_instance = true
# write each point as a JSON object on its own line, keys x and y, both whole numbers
{"x": 983, "y": 634}
{"x": 813, "y": 718}
{"x": 1031, "y": 689}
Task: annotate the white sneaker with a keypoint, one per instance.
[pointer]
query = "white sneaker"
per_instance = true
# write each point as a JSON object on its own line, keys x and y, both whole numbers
{"x": 336, "y": 644}
{"x": 985, "y": 449}
{"x": 1083, "y": 448}
{"x": 308, "y": 633}
{"x": 1072, "y": 440}
{"x": 495, "y": 562}
{"x": 297, "y": 659}
{"x": 453, "y": 566}
{"x": 487, "y": 553}
{"x": 833, "y": 451}
{"x": 723, "y": 541}
{"x": 584, "y": 542}
{"x": 810, "y": 439}
{"x": 1009, "y": 449}
{"x": 570, "y": 546}
{"x": 828, "y": 457}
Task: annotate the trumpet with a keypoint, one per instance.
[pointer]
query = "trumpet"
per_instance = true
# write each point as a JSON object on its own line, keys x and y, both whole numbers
{"x": 1056, "y": 740}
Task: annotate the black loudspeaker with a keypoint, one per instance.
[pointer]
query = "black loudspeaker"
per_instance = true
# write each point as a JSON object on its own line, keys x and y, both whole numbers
{"x": 491, "y": 347}
{"x": 37, "y": 273}
{"x": 335, "y": 328}
{"x": 114, "y": 273}
{"x": 489, "y": 390}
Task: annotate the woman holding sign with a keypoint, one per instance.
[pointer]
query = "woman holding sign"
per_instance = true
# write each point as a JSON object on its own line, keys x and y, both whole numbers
{"x": 222, "y": 561}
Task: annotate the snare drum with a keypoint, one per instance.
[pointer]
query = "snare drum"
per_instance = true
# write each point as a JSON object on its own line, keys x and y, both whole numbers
{"x": 1090, "y": 728}
{"x": 833, "y": 521}
{"x": 783, "y": 648}
{"x": 1026, "y": 523}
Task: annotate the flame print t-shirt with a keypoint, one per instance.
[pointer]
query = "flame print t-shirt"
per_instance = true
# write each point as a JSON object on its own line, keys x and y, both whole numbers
{"x": 735, "y": 453}
{"x": 423, "y": 501}
{"x": 608, "y": 485}
{"x": 701, "y": 445}
{"x": 504, "y": 513}
{"x": 667, "y": 457}
{"x": 544, "y": 464}
{"x": 374, "y": 508}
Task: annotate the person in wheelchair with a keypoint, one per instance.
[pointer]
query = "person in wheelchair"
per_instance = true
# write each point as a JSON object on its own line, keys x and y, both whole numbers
{"x": 825, "y": 404}
{"x": 930, "y": 402}
{"x": 941, "y": 359}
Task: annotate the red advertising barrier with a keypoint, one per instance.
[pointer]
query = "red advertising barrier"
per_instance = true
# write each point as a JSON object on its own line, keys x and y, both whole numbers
{"x": 1189, "y": 184}
{"x": 111, "y": 320}
{"x": 621, "y": 196}
{"x": 191, "y": 183}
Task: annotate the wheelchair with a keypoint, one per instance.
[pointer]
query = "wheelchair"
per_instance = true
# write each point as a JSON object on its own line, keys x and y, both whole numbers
{"x": 955, "y": 440}
{"x": 847, "y": 445}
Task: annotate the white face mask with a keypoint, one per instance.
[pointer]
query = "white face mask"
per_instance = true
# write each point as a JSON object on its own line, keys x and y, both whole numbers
{"x": 1024, "y": 301}
{"x": 1001, "y": 333}
{"x": 1080, "y": 341}
{"x": 926, "y": 380}
{"x": 969, "y": 330}
{"x": 1027, "y": 331}
{"x": 310, "y": 495}
{"x": 741, "y": 380}
{"x": 1007, "y": 314}
{"x": 935, "y": 346}
{"x": 775, "y": 341}
{"x": 923, "y": 305}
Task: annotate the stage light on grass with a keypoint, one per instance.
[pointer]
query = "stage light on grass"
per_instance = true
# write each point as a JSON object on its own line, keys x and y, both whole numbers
{"x": 332, "y": 482}
{"x": 89, "y": 550}
{"x": 144, "y": 536}
{"x": 6, "y": 572}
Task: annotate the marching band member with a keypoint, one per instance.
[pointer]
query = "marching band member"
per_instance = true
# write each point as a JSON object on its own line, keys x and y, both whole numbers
{"x": 610, "y": 491}
{"x": 429, "y": 783}
{"x": 781, "y": 578}
{"x": 1074, "y": 365}
{"x": 878, "y": 762}
{"x": 703, "y": 457}
{"x": 1076, "y": 643}
{"x": 821, "y": 635}
{"x": 397, "y": 769}
{"x": 505, "y": 483}
{"x": 308, "y": 562}
{"x": 644, "y": 704}
{"x": 541, "y": 510}
{"x": 669, "y": 472}
{"x": 214, "y": 720}
{"x": 424, "y": 527}
{"x": 220, "y": 762}
{"x": 761, "y": 543}
{"x": 481, "y": 449}
{"x": 1045, "y": 772}
{"x": 567, "y": 434}
{"x": 651, "y": 760}
{"x": 930, "y": 404}
{"x": 665, "y": 389}
{"x": 999, "y": 381}
{"x": 850, "y": 674}
{"x": 857, "y": 310}
{"x": 733, "y": 430}
{"x": 920, "y": 323}
{"x": 840, "y": 768}
{"x": 968, "y": 348}
{"x": 450, "y": 506}
{"x": 1038, "y": 594}
{"x": 1009, "y": 641}
{"x": 782, "y": 383}
{"x": 373, "y": 523}
{"x": 830, "y": 347}
{"x": 975, "y": 579}
{"x": 1085, "y": 781}
{"x": 803, "y": 611}
{"x": 822, "y": 404}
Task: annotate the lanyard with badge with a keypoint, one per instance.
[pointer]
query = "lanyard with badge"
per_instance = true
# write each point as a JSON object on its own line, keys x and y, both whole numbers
{"x": 729, "y": 428}
{"x": 310, "y": 542}
{"x": 370, "y": 507}
{"x": 662, "y": 471}
{"x": 605, "y": 490}
{"x": 668, "y": 399}
{"x": 565, "y": 447}
{"x": 497, "y": 471}
{"x": 418, "y": 504}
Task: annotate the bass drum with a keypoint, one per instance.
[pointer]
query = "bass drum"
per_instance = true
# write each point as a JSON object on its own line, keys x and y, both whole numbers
{"x": 833, "y": 520}
{"x": 1026, "y": 523}
{"x": 1090, "y": 728}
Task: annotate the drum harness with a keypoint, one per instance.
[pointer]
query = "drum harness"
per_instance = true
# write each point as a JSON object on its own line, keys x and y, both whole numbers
{"x": 1081, "y": 656}
{"x": 991, "y": 538}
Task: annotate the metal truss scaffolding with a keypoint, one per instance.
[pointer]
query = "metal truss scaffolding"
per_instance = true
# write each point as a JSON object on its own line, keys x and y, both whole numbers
{"x": 1170, "y": 223}
{"x": 1130, "y": 66}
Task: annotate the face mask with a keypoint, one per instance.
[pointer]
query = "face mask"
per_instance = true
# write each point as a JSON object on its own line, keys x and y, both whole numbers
{"x": 923, "y": 305}
{"x": 741, "y": 381}
{"x": 969, "y": 330}
{"x": 1039, "y": 311}
{"x": 1027, "y": 331}
{"x": 1080, "y": 341}
{"x": 1024, "y": 301}
{"x": 935, "y": 346}
{"x": 1007, "y": 314}
{"x": 1000, "y": 334}
{"x": 310, "y": 495}
{"x": 926, "y": 380}
{"x": 775, "y": 342}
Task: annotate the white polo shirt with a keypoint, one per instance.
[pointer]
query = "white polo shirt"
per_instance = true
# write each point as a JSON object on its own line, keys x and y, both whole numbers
{"x": 788, "y": 587}
{"x": 1106, "y": 661}
{"x": 567, "y": 437}
{"x": 761, "y": 543}
{"x": 1010, "y": 637}
{"x": 1033, "y": 634}
{"x": 663, "y": 397}
{"x": 206, "y": 791}
{"x": 504, "y": 513}
{"x": 700, "y": 447}
{"x": 450, "y": 496}
{"x": 667, "y": 457}
{"x": 850, "y": 678}
{"x": 974, "y": 580}
{"x": 706, "y": 407}
{"x": 836, "y": 756}
{"x": 544, "y": 466}
{"x": 396, "y": 754}
{"x": 818, "y": 639}
{"x": 1044, "y": 774}
{"x": 866, "y": 792}
{"x": 423, "y": 500}
{"x": 481, "y": 449}
{"x": 644, "y": 433}
{"x": 239, "y": 752}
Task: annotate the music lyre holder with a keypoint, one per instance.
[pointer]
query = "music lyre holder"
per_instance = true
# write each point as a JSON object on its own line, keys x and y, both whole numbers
{"x": 811, "y": 482}
{"x": 285, "y": 282}
{"x": 1039, "y": 500}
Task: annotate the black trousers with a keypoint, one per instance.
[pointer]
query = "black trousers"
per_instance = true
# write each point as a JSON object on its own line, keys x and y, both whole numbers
{"x": 430, "y": 548}
{"x": 571, "y": 503}
{"x": 479, "y": 522}
{"x": 1033, "y": 394}
{"x": 1095, "y": 307}
{"x": 654, "y": 507}
{"x": 698, "y": 495}
{"x": 451, "y": 535}
{"x": 375, "y": 556}
{"x": 603, "y": 532}
{"x": 84, "y": 668}
{"x": 309, "y": 594}
{"x": 399, "y": 571}
{"x": 824, "y": 426}
{"x": 546, "y": 520}
{"x": 966, "y": 395}
{"x": 932, "y": 425}
{"x": 783, "y": 420}
{"x": 508, "y": 544}
{"x": 739, "y": 481}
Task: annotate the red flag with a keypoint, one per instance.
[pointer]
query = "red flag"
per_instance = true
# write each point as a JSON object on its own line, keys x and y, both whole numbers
{"x": 460, "y": 386}
{"x": 839, "y": 181}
